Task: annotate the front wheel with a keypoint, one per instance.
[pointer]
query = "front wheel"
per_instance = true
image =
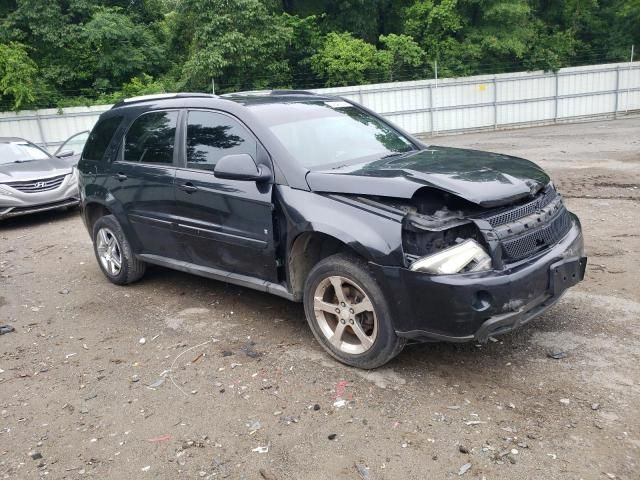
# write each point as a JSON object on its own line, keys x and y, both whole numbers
{"x": 348, "y": 312}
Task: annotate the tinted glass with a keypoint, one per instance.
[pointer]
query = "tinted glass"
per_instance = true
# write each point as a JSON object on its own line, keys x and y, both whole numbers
{"x": 326, "y": 133}
{"x": 151, "y": 138}
{"x": 211, "y": 136}
{"x": 18, "y": 152}
{"x": 100, "y": 137}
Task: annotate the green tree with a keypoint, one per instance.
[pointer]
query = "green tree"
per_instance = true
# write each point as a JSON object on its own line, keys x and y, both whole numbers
{"x": 237, "y": 42}
{"x": 344, "y": 60}
{"x": 17, "y": 76}
{"x": 401, "y": 56}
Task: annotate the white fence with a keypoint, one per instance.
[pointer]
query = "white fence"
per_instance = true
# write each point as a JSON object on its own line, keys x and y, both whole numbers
{"x": 428, "y": 107}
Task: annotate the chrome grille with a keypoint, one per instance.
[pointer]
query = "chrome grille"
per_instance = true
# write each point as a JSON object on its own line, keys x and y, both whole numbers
{"x": 35, "y": 186}
{"x": 522, "y": 211}
{"x": 529, "y": 243}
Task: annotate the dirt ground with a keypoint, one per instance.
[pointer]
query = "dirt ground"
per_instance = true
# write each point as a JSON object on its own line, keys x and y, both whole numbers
{"x": 226, "y": 370}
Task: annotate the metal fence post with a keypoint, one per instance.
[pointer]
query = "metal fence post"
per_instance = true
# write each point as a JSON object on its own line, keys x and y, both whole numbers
{"x": 431, "y": 108}
{"x": 495, "y": 103}
{"x": 555, "y": 107}
{"x": 41, "y": 130}
{"x": 615, "y": 103}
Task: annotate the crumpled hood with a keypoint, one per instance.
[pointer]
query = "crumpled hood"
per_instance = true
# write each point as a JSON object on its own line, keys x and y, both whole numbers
{"x": 487, "y": 179}
{"x": 34, "y": 170}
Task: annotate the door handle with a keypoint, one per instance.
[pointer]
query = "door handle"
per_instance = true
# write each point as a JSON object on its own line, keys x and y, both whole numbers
{"x": 188, "y": 187}
{"x": 121, "y": 177}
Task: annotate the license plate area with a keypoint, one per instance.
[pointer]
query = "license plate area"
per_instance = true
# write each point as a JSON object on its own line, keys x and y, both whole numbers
{"x": 566, "y": 273}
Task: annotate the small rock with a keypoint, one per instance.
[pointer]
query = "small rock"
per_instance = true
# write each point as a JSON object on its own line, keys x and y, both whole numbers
{"x": 595, "y": 406}
{"x": 146, "y": 469}
{"x": 142, "y": 341}
{"x": 565, "y": 401}
{"x": 316, "y": 407}
{"x": 35, "y": 455}
{"x": 464, "y": 468}
{"x": 514, "y": 451}
{"x": 227, "y": 353}
{"x": 463, "y": 449}
{"x": 267, "y": 475}
{"x": 135, "y": 379}
{"x": 332, "y": 436}
{"x": 64, "y": 291}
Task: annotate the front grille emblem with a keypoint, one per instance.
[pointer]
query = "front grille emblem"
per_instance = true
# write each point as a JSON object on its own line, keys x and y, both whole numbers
{"x": 41, "y": 184}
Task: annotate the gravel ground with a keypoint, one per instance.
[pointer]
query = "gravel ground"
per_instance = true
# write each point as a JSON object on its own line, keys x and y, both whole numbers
{"x": 79, "y": 389}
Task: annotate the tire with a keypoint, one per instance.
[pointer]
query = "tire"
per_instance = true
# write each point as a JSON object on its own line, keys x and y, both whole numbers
{"x": 340, "y": 329}
{"x": 105, "y": 230}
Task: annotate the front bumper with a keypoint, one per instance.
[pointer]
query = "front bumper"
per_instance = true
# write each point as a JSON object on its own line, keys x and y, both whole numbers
{"x": 15, "y": 202}
{"x": 475, "y": 306}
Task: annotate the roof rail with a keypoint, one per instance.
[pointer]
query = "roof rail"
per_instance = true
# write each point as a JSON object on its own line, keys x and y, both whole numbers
{"x": 160, "y": 96}
{"x": 270, "y": 92}
{"x": 292, "y": 92}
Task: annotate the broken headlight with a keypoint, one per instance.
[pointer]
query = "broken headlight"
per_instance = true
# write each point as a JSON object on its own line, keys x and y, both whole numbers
{"x": 467, "y": 256}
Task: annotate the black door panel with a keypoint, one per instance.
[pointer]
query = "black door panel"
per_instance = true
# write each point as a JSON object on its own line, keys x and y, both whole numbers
{"x": 225, "y": 224}
{"x": 142, "y": 181}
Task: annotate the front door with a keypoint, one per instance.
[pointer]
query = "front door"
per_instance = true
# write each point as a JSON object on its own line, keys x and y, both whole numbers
{"x": 142, "y": 182}
{"x": 223, "y": 224}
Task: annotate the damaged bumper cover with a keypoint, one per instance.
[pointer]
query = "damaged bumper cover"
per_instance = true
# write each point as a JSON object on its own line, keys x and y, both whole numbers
{"x": 475, "y": 306}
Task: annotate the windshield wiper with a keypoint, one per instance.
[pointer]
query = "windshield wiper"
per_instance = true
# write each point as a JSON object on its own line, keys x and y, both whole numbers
{"x": 397, "y": 154}
{"x": 23, "y": 161}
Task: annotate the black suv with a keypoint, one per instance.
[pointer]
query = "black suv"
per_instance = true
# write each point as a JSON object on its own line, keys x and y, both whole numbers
{"x": 319, "y": 200}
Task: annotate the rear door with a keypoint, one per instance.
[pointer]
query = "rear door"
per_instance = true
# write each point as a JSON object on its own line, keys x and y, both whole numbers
{"x": 223, "y": 224}
{"x": 142, "y": 181}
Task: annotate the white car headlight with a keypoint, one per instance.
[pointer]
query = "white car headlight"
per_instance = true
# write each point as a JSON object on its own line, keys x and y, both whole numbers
{"x": 467, "y": 256}
{"x": 4, "y": 190}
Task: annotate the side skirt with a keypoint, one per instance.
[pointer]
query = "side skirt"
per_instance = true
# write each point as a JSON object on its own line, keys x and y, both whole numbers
{"x": 217, "y": 274}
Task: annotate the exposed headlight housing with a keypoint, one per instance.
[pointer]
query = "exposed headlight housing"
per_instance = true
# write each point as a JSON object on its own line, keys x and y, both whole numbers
{"x": 4, "y": 190}
{"x": 467, "y": 256}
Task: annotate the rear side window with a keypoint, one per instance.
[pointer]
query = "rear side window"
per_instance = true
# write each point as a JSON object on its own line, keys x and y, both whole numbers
{"x": 211, "y": 136}
{"x": 100, "y": 137}
{"x": 151, "y": 138}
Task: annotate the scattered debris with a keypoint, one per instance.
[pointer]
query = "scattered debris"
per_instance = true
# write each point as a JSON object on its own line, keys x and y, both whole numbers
{"x": 156, "y": 384}
{"x": 226, "y": 353}
{"x": 35, "y": 455}
{"x": 267, "y": 475}
{"x": 198, "y": 357}
{"x": 595, "y": 406}
{"x": 463, "y": 449}
{"x": 316, "y": 407}
{"x": 249, "y": 350}
{"x": 69, "y": 355}
{"x": 6, "y": 329}
{"x": 142, "y": 341}
{"x": 135, "y": 378}
{"x": 363, "y": 471}
{"x": 146, "y": 469}
{"x": 264, "y": 449}
{"x": 556, "y": 353}
{"x": 340, "y": 403}
{"x": 332, "y": 436}
{"x": 474, "y": 422}
{"x": 341, "y": 387}
{"x": 565, "y": 401}
{"x": 464, "y": 468}
{"x": 64, "y": 291}
{"x": 161, "y": 438}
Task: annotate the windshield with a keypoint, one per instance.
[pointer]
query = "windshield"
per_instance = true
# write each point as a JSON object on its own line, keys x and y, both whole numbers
{"x": 20, "y": 152}
{"x": 326, "y": 134}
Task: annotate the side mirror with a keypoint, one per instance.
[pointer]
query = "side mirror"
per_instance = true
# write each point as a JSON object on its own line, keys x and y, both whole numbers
{"x": 241, "y": 167}
{"x": 66, "y": 153}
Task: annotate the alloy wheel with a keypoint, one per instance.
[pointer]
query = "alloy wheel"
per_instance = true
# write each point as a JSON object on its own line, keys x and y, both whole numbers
{"x": 109, "y": 251}
{"x": 345, "y": 315}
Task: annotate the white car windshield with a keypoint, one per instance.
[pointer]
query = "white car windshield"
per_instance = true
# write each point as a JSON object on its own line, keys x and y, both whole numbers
{"x": 18, "y": 152}
{"x": 324, "y": 134}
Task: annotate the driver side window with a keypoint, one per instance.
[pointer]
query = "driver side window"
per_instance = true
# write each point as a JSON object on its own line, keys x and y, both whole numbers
{"x": 211, "y": 136}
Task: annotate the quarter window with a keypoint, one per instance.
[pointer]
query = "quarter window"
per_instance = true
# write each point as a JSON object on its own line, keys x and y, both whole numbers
{"x": 151, "y": 138}
{"x": 100, "y": 137}
{"x": 211, "y": 136}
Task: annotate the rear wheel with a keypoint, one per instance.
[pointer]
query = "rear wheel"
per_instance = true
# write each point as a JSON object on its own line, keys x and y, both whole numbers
{"x": 348, "y": 313}
{"x": 113, "y": 252}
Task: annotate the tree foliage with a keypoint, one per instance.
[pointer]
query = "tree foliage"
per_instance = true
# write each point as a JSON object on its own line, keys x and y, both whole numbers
{"x": 70, "y": 52}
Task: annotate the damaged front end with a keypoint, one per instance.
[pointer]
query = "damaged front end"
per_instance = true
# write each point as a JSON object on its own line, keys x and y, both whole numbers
{"x": 470, "y": 272}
